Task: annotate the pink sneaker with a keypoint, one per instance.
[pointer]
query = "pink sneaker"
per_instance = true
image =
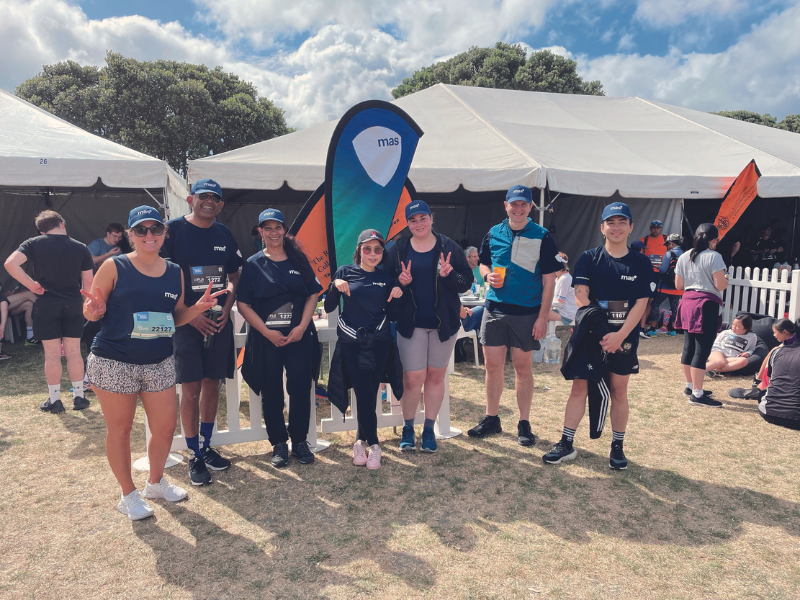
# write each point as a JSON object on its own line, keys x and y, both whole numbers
{"x": 359, "y": 454}
{"x": 374, "y": 460}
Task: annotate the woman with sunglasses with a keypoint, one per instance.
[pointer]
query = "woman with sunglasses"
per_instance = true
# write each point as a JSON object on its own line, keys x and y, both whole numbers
{"x": 139, "y": 296}
{"x": 366, "y": 353}
{"x": 434, "y": 270}
{"x": 277, "y": 296}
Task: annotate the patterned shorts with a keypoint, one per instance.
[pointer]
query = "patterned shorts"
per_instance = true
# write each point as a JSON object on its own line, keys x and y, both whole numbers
{"x": 124, "y": 378}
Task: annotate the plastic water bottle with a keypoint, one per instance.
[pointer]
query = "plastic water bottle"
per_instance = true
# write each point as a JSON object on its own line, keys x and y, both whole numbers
{"x": 538, "y": 354}
{"x": 213, "y": 313}
{"x": 474, "y": 290}
{"x": 552, "y": 349}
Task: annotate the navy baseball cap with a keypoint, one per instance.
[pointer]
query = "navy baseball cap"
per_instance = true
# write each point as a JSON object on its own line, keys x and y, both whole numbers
{"x": 207, "y": 185}
{"x": 637, "y": 245}
{"x": 370, "y": 234}
{"x": 271, "y": 214}
{"x": 617, "y": 209}
{"x": 417, "y": 207}
{"x": 143, "y": 213}
{"x": 656, "y": 223}
{"x": 519, "y": 192}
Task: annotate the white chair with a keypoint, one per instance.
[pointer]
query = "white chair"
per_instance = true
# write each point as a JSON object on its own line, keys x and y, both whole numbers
{"x": 470, "y": 334}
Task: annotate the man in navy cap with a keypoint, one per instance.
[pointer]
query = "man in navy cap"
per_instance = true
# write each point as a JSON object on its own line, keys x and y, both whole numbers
{"x": 518, "y": 260}
{"x": 207, "y": 253}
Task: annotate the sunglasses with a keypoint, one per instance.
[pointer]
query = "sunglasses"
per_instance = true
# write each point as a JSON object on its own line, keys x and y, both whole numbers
{"x": 207, "y": 195}
{"x": 369, "y": 250}
{"x": 141, "y": 230}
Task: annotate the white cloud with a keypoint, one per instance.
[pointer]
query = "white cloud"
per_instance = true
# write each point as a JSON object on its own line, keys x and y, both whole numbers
{"x": 668, "y": 13}
{"x": 625, "y": 43}
{"x": 760, "y": 72}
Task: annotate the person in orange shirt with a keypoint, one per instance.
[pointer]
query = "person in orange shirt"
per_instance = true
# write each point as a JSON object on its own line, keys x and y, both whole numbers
{"x": 666, "y": 287}
{"x": 655, "y": 244}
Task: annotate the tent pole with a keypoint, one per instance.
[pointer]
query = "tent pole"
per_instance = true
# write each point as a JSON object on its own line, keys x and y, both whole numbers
{"x": 794, "y": 230}
{"x": 541, "y": 207}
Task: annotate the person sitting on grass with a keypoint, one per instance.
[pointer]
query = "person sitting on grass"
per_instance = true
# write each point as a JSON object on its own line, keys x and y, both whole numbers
{"x": 785, "y": 331}
{"x": 780, "y": 405}
{"x": 732, "y": 347}
{"x": 20, "y": 301}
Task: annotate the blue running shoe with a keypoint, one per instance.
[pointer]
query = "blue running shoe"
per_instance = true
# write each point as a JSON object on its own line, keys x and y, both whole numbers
{"x": 408, "y": 442}
{"x": 428, "y": 441}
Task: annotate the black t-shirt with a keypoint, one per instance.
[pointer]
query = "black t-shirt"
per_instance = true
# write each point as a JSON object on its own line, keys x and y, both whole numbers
{"x": 204, "y": 254}
{"x": 423, "y": 285}
{"x": 765, "y": 256}
{"x": 615, "y": 284}
{"x": 366, "y": 304}
{"x": 57, "y": 262}
{"x": 268, "y": 286}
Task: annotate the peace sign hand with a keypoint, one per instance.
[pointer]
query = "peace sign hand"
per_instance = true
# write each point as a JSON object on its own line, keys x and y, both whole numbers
{"x": 208, "y": 299}
{"x": 445, "y": 268}
{"x": 94, "y": 305}
{"x": 405, "y": 274}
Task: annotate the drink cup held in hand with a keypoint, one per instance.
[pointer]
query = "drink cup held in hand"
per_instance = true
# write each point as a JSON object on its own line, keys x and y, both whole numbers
{"x": 502, "y": 272}
{"x": 214, "y": 313}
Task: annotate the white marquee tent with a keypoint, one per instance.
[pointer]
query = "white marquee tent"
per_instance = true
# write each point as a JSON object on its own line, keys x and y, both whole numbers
{"x": 484, "y": 140}
{"x": 46, "y": 162}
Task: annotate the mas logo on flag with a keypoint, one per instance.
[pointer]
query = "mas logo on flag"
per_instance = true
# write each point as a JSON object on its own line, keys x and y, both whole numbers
{"x": 378, "y": 150}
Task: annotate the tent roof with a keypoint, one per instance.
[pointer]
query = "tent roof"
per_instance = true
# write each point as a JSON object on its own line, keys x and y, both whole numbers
{"x": 75, "y": 158}
{"x": 488, "y": 139}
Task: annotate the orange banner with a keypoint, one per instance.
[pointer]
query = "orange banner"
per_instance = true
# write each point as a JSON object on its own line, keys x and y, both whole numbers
{"x": 738, "y": 198}
{"x": 313, "y": 237}
{"x": 399, "y": 220}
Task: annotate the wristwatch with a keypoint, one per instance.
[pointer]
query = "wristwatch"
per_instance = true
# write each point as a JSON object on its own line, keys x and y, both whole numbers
{"x": 484, "y": 278}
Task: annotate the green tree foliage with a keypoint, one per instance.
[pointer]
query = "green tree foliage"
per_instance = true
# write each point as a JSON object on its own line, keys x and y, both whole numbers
{"x": 789, "y": 123}
{"x": 506, "y": 67}
{"x": 174, "y": 111}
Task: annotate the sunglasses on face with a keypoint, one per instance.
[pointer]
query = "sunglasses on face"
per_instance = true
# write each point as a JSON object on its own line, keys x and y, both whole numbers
{"x": 141, "y": 230}
{"x": 211, "y": 195}
{"x": 378, "y": 250}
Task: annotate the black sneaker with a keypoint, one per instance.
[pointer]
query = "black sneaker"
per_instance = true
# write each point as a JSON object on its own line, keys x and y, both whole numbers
{"x": 736, "y": 392}
{"x": 32, "y": 342}
{"x": 755, "y": 394}
{"x": 486, "y": 426}
{"x": 213, "y": 460}
{"x": 198, "y": 474}
{"x": 616, "y": 459}
{"x": 560, "y": 452}
{"x": 54, "y": 408}
{"x": 524, "y": 435}
{"x": 79, "y": 403}
{"x": 302, "y": 453}
{"x": 280, "y": 455}
{"x": 704, "y": 400}
{"x": 687, "y": 391}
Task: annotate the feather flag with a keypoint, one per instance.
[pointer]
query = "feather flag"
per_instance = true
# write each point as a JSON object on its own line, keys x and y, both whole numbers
{"x": 738, "y": 198}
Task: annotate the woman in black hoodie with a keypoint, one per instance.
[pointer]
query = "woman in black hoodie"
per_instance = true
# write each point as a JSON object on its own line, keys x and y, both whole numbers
{"x": 434, "y": 270}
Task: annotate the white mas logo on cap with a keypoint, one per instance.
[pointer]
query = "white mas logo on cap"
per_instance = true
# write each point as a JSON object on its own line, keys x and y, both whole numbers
{"x": 378, "y": 150}
{"x": 413, "y": 206}
{"x": 614, "y": 207}
{"x": 143, "y": 212}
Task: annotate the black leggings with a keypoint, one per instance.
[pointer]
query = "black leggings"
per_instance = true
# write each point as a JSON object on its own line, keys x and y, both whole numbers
{"x": 296, "y": 359}
{"x": 697, "y": 346}
{"x": 365, "y": 385}
{"x": 781, "y": 421}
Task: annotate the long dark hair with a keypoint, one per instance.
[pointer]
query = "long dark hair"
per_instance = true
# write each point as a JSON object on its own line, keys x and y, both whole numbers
{"x": 704, "y": 234}
{"x": 784, "y": 326}
{"x": 298, "y": 258}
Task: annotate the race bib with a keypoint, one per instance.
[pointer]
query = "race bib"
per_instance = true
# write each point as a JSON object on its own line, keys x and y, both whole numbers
{"x": 150, "y": 325}
{"x": 617, "y": 310}
{"x": 656, "y": 259}
{"x": 280, "y": 317}
{"x": 737, "y": 343}
{"x": 202, "y": 276}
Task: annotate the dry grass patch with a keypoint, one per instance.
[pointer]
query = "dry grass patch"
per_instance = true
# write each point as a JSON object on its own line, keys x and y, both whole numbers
{"x": 709, "y": 508}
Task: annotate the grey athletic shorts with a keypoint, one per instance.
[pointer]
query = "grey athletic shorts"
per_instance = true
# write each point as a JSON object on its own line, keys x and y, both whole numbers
{"x": 515, "y": 331}
{"x": 424, "y": 350}
{"x": 124, "y": 378}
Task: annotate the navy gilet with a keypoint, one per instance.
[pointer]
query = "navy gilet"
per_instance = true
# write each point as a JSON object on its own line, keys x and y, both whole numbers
{"x": 136, "y": 293}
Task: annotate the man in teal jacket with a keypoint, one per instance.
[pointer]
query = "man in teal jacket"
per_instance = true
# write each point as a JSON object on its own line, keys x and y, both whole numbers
{"x": 518, "y": 260}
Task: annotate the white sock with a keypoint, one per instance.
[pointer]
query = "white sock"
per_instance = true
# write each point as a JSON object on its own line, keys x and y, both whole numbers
{"x": 29, "y": 331}
{"x": 77, "y": 388}
{"x": 55, "y": 392}
{"x": 697, "y": 393}
{"x": 689, "y": 385}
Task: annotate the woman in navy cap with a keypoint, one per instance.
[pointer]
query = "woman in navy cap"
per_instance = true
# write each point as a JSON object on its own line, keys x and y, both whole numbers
{"x": 139, "y": 296}
{"x": 618, "y": 281}
{"x": 366, "y": 353}
{"x": 434, "y": 270}
{"x": 277, "y": 296}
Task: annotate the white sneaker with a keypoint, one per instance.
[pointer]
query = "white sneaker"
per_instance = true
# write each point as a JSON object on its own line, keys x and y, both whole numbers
{"x": 164, "y": 489}
{"x": 134, "y": 506}
{"x": 374, "y": 460}
{"x": 359, "y": 454}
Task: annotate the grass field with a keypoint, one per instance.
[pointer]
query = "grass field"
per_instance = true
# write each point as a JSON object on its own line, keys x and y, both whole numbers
{"x": 709, "y": 507}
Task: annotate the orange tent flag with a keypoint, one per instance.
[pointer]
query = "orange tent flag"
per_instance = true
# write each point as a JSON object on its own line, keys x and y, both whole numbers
{"x": 738, "y": 198}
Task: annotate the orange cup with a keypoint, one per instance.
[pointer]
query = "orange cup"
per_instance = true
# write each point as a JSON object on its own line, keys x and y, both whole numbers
{"x": 502, "y": 272}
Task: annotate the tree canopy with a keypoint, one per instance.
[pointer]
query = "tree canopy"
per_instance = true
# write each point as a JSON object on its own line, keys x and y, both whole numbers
{"x": 505, "y": 66}
{"x": 790, "y": 122}
{"x": 171, "y": 110}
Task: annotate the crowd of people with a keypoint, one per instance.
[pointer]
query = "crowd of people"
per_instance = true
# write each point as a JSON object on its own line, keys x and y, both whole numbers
{"x": 158, "y": 313}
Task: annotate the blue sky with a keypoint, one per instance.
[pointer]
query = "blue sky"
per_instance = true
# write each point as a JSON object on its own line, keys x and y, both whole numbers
{"x": 315, "y": 58}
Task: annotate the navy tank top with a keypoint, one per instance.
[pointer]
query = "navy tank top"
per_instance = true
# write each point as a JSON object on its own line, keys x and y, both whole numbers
{"x": 137, "y": 326}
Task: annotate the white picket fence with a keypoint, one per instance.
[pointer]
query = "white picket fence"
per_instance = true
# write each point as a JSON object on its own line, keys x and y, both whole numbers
{"x": 762, "y": 291}
{"x": 239, "y": 432}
